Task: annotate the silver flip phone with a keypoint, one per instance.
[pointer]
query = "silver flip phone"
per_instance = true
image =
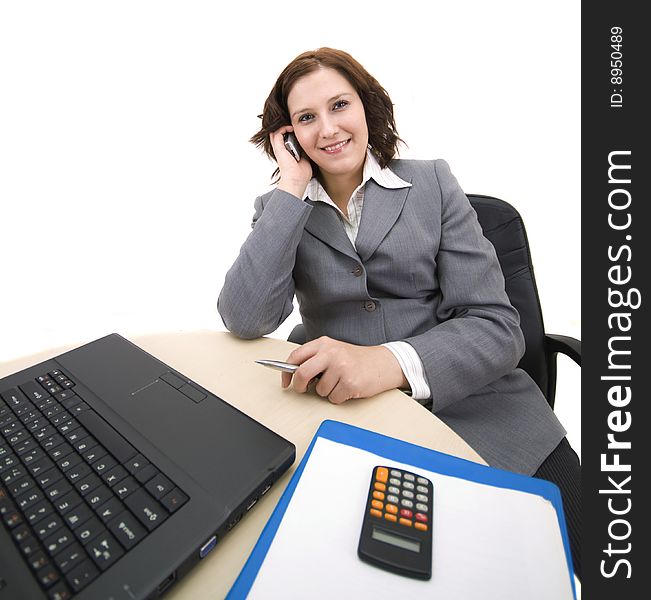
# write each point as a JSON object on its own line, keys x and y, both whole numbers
{"x": 291, "y": 143}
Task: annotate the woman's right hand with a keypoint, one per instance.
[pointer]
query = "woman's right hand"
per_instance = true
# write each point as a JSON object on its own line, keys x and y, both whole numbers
{"x": 294, "y": 176}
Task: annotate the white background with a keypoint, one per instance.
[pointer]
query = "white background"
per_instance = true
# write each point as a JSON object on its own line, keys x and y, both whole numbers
{"x": 127, "y": 182}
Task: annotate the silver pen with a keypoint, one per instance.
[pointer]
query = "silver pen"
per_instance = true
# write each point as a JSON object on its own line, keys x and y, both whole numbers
{"x": 278, "y": 365}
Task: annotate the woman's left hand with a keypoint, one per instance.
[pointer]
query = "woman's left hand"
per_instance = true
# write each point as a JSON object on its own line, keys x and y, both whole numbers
{"x": 346, "y": 371}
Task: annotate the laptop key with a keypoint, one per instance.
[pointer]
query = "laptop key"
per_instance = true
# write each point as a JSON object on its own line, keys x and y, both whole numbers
{"x": 159, "y": 486}
{"x": 48, "y": 575}
{"x": 107, "y": 436}
{"x": 58, "y": 541}
{"x": 34, "y": 391}
{"x": 147, "y": 510}
{"x": 109, "y": 509}
{"x": 127, "y": 530}
{"x": 104, "y": 550}
{"x": 174, "y": 500}
{"x": 79, "y": 577}
{"x": 70, "y": 557}
{"x": 59, "y": 591}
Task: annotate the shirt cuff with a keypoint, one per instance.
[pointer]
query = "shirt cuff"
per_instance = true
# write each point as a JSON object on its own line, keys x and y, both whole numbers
{"x": 412, "y": 368}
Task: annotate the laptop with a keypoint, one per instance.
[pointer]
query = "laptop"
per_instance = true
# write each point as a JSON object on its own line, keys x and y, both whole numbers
{"x": 118, "y": 474}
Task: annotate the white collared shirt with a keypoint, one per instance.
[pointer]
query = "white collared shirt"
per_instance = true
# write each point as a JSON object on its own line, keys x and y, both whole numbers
{"x": 406, "y": 355}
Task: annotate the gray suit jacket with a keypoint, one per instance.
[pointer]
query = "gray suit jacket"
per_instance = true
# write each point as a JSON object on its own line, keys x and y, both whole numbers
{"x": 423, "y": 273}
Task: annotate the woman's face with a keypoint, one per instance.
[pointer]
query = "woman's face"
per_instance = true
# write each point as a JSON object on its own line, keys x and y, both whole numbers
{"x": 329, "y": 121}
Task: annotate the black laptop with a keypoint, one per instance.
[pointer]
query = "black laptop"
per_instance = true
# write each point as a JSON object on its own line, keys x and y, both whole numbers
{"x": 118, "y": 474}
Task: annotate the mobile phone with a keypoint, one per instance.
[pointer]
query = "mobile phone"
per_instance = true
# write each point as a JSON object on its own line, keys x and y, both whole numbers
{"x": 291, "y": 143}
{"x": 397, "y": 524}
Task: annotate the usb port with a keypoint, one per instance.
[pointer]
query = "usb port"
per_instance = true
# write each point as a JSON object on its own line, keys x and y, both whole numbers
{"x": 169, "y": 580}
{"x": 208, "y": 546}
{"x": 251, "y": 504}
{"x": 266, "y": 490}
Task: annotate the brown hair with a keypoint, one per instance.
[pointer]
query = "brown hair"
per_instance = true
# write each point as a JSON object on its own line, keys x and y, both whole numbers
{"x": 382, "y": 135}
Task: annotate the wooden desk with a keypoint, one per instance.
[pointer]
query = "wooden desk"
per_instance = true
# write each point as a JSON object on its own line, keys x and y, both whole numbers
{"x": 224, "y": 364}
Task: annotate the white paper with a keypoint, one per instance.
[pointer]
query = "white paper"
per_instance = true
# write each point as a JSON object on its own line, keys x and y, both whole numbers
{"x": 488, "y": 542}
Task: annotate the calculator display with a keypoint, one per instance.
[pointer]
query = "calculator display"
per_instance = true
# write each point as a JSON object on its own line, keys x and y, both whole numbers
{"x": 389, "y": 538}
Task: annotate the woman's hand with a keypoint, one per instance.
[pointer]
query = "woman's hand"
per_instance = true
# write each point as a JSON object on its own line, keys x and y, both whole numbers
{"x": 294, "y": 176}
{"x": 346, "y": 371}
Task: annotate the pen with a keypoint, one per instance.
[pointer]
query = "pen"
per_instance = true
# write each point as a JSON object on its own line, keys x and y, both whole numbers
{"x": 278, "y": 365}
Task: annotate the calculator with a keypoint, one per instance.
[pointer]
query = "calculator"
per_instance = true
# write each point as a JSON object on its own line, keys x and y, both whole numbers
{"x": 397, "y": 524}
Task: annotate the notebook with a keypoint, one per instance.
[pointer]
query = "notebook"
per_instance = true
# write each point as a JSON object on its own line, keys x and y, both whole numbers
{"x": 118, "y": 474}
{"x": 495, "y": 534}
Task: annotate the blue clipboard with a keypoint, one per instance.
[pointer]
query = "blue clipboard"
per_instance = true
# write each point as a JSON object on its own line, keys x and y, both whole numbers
{"x": 397, "y": 450}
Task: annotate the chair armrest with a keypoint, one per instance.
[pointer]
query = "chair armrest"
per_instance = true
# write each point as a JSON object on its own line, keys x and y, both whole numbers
{"x": 297, "y": 335}
{"x": 565, "y": 345}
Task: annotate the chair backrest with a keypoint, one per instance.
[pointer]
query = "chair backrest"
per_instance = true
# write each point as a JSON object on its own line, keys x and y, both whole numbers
{"x": 504, "y": 228}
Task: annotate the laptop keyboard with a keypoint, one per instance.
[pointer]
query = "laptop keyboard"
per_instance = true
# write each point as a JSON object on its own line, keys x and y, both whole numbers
{"x": 74, "y": 494}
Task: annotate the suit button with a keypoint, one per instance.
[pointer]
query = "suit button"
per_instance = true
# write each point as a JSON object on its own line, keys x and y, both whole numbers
{"x": 358, "y": 270}
{"x": 369, "y": 306}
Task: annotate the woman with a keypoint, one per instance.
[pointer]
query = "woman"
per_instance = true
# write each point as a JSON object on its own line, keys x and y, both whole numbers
{"x": 396, "y": 284}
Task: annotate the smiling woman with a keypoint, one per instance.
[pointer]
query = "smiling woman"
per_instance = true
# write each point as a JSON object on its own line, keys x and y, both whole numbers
{"x": 348, "y": 229}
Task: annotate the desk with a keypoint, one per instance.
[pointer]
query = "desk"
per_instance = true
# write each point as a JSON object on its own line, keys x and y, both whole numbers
{"x": 224, "y": 364}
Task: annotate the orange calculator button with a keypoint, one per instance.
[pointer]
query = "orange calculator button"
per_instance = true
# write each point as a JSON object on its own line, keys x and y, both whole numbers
{"x": 391, "y": 508}
{"x": 380, "y": 486}
{"x": 389, "y": 517}
{"x": 420, "y": 526}
{"x": 376, "y": 513}
{"x": 377, "y": 504}
{"x": 378, "y": 495}
{"x": 382, "y": 474}
{"x": 406, "y": 522}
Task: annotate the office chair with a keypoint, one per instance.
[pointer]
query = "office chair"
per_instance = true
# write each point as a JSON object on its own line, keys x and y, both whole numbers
{"x": 503, "y": 226}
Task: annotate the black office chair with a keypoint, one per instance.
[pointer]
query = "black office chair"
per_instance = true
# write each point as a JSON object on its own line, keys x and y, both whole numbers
{"x": 503, "y": 226}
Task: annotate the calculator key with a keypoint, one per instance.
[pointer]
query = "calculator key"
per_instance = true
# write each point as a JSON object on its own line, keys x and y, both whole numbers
{"x": 409, "y": 477}
{"x": 421, "y": 517}
{"x": 391, "y": 518}
{"x": 393, "y": 499}
{"x": 377, "y": 504}
{"x": 382, "y": 474}
{"x": 408, "y": 494}
{"x": 394, "y": 490}
{"x": 407, "y": 503}
{"x": 420, "y": 526}
{"x": 380, "y": 486}
{"x": 422, "y": 507}
{"x": 406, "y": 513}
{"x": 394, "y": 481}
{"x": 376, "y": 513}
{"x": 422, "y": 481}
{"x": 378, "y": 495}
{"x": 406, "y": 522}
{"x": 407, "y": 485}
{"x": 395, "y": 473}
{"x": 421, "y": 497}
{"x": 422, "y": 489}
{"x": 391, "y": 508}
